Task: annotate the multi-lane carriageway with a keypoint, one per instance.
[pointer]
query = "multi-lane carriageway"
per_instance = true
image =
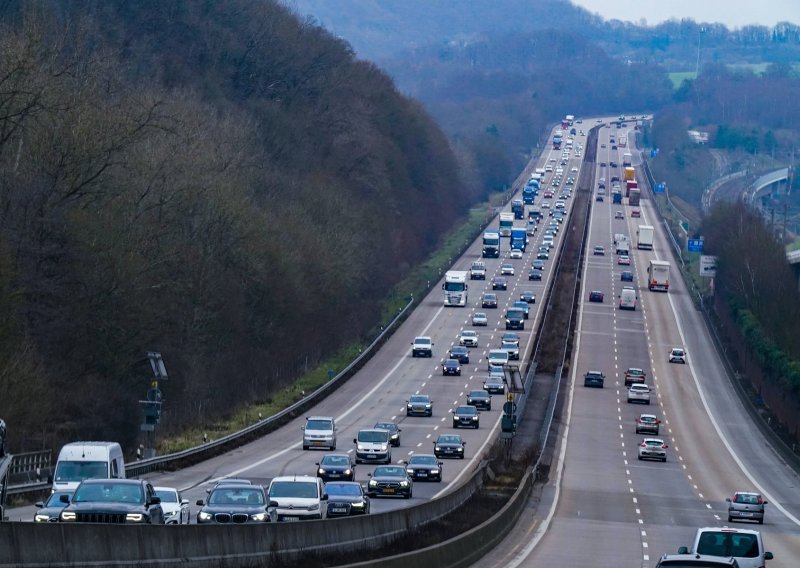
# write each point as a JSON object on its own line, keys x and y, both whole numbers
{"x": 601, "y": 507}
{"x": 604, "y": 507}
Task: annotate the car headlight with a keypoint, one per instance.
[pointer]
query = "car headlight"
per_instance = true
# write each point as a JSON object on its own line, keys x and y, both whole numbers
{"x": 427, "y": 406}
{"x": 410, "y": 471}
{"x": 373, "y": 483}
{"x": 434, "y": 471}
{"x": 68, "y": 516}
{"x": 259, "y": 517}
{"x": 313, "y": 507}
{"x": 383, "y": 447}
{"x": 408, "y": 405}
{"x": 358, "y": 505}
{"x": 174, "y": 513}
{"x": 134, "y": 518}
{"x": 39, "y": 518}
{"x": 360, "y": 448}
{"x": 321, "y": 471}
{"x": 437, "y": 448}
{"x": 404, "y": 484}
{"x": 203, "y": 516}
{"x": 459, "y": 449}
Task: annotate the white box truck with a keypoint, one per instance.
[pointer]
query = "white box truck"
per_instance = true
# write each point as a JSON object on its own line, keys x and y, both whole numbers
{"x": 455, "y": 288}
{"x": 645, "y": 237}
{"x": 658, "y": 275}
{"x": 506, "y": 222}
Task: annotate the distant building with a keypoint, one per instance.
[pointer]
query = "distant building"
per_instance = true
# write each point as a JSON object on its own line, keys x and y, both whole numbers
{"x": 698, "y": 137}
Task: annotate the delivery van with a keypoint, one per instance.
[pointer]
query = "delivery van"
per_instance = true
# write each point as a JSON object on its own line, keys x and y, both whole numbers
{"x": 627, "y": 299}
{"x": 87, "y": 460}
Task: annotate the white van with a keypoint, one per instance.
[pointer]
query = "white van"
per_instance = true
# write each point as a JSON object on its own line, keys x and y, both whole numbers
{"x": 497, "y": 358}
{"x": 298, "y": 497}
{"x": 745, "y": 545}
{"x": 87, "y": 460}
{"x": 627, "y": 299}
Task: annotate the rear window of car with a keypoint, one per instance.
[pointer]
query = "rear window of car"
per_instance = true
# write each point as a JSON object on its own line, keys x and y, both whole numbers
{"x": 746, "y": 499}
{"x": 719, "y": 543}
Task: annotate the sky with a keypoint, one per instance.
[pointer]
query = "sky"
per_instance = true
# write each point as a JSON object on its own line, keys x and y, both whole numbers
{"x": 732, "y": 13}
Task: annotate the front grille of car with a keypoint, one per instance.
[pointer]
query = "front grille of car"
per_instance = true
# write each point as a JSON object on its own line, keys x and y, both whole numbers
{"x": 111, "y": 518}
{"x": 389, "y": 485}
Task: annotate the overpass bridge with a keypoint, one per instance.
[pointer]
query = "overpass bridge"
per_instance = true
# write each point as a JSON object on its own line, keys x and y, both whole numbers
{"x": 764, "y": 185}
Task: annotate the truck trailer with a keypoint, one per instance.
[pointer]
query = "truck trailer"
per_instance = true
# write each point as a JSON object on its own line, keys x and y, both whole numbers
{"x": 491, "y": 244}
{"x": 519, "y": 238}
{"x": 658, "y": 275}
{"x": 506, "y": 222}
{"x": 645, "y": 234}
{"x": 633, "y": 197}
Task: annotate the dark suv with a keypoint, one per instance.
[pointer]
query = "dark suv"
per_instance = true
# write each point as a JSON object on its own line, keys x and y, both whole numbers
{"x": 114, "y": 501}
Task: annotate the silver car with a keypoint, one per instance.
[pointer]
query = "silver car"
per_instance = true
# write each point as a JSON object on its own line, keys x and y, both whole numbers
{"x": 653, "y": 449}
{"x": 746, "y": 506}
{"x": 677, "y": 355}
{"x": 319, "y": 432}
{"x": 480, "y": 319}
{"x": 639, "y": 392}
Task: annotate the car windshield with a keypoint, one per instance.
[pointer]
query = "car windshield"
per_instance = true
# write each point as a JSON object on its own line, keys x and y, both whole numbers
{"x": 390, "y": 471}
{"x": 348, "y": 489}
{"x": 469, "y": 333}
{"x": 422, "y": 340}
{"x": 448, "y": 440}
{"x": 167, "y": 495}
{"x": 109, "y": 493}
{"x": 451, "y": 363}
{"x": 373, "y": 436}
{"x": 300, "y": 489}
{"x": 426, "y": 460}
{"x": 418, "y": 398}
{"x": 466, "y": 410}
{"x": 478, "y": 394}
{"x": 458, "y": 350}
{"x": 319, "y": 425}
{"x": 80, "y": 470}
{"x": 386, "y": 426}
{"x": 489, "y": 297}
{"x": 743, "y": 545}
{"x": 509, "y": 343}
{"x": 236, "y": 496}
{"x": 55, "y": 499}
{"x": 335, "y": 460}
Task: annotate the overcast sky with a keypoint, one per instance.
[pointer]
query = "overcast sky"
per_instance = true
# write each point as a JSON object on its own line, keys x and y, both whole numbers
{"x": 732, "y": 13}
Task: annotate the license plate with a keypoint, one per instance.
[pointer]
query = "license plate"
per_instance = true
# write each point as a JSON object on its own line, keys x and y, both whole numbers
{"x": 290, "y": 519}
{"x": 423, "y": 474}
{"x": 388, "y": 490}
{"x": 746, "y": 514}
{"x": 371, "y": 456}
{"x": 338, "y": 510}
{"x": 317, "y": 443}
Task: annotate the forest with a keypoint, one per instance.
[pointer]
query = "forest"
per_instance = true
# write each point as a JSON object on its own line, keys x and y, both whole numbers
{"x": 216, "y": 181}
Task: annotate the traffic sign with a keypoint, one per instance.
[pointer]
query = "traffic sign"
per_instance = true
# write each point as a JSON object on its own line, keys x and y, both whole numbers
{"x": 660, "y": 188}
{"x": 708, "y": 266}
{"x": 694, "y": 245}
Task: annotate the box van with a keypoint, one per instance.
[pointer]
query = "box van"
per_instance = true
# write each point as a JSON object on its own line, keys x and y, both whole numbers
{"x": 298, "y": 497}
{"x": 319, "y": 432}
{"x": 87, "y": 460}
{"x": 745, "y": 545}
{"x": 627, "y": 299}
{"x": 372, "y": 444}
{"x": 499, "y": 357}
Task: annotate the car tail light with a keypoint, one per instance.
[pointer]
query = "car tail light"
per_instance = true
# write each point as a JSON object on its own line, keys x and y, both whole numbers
{"x": 760, "y": 500}
{"x": 663, "y": 446}
{"x": 644, "y": 445}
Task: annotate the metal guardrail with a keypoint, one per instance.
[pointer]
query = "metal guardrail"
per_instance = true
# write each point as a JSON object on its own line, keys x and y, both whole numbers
{"x": 135, "y": 469}
{"x": 5, "y": 463}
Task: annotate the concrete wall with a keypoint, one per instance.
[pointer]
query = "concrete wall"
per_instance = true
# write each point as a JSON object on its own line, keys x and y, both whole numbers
{"x": 56, "y": 545}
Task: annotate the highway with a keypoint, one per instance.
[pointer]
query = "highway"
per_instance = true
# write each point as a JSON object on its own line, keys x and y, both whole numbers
{"x": 379, "y": 390}
{"x": 604, "y": 507}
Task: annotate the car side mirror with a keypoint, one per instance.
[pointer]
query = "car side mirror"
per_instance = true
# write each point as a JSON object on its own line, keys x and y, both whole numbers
{"x": 302, "y": 427}
{"x": 440, "y": 464}
{"x": 765, "y": 503}
{"x": 155, "y": 500}
{"x": 355, "y": 441}
{"x": 683, "y": 550}
{"x": 324, "y": 497}
{"x": 200, "y": 503}
{"x": 463, "y": 443}
{"x": 728, "y": 499}
{"x": 768, "y": 556}
{"x": 40, "y": 505}
{"x": 184, "y": 501}
{"x": 316, "y": 463}
{"x": 64, "y": 499}
{"x": 369, "y": 475}
{"x": 50, "y": 479}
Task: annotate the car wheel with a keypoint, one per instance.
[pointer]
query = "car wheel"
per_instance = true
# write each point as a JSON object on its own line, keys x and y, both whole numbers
{"x": 760, "y": 521}
{"x": 489, "y": 408}
{"x": 413, "y": 354}
{"x": 730, "y": 519}
{"x": 647, "y": 403}
{"x": 305, "y": 447}
{"x": 408, "y": 414}
{"x": 640, "y": 457}
{"x": 664, "y": 460}
{"x": 461, "y": 457}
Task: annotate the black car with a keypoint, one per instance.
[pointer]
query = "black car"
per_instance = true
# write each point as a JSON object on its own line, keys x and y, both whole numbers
{"x": 451, "y": 367}
{"x": 336, "y": 467}
{"x": 594, "y": 379}
{"x": 499, "y": 283}
{"x": 235, "y": 503}
{"x": 419, "y": 405}
{"x": 535, "y": 274}
{"x": 510, "y": 336}
{"x": 449, "y": 446}
{"x": 389, "y": 481}
{"x": 489, "y": 300}
{"x": 494, "y": 384}
{"x": 50, "y": 510}
{"x": 466, "y": 416}
{"x": 460, "y": 353}
{"x": 528, "y": 296}
{"x": 346, "y": 498}
{"x": 117, "y": 501}
{"x": 394, "y": 431}
{"x": 479, "y": 399}
{"x": 626, "y": 276}
{"x": 425, "y": 467}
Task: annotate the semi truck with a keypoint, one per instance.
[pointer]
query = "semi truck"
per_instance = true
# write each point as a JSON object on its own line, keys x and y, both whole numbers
{"x": 627, "y": 159}
{"x": 645, "y": 240}
{"x": 519, "y": 238}
{"x": 616, "y": 196}
{"x": 629, "y": 185}
{"x": 518, "y": 208}
{"x": 629, "y": 173}
{"x": 623, "y": 141}
{"x": 455, "y": 288}
{"x": 529, "y": 194}
{"x": 506, "y": 222}
{"x": 491, "y": 244}
{"x": 557, "y": 140}
{"x": 633, "y": 196}
{"x": 658, "y": 275}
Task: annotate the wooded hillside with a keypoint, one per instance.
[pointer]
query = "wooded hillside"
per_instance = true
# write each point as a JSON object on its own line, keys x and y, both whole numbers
{"x": 217, "y": 181}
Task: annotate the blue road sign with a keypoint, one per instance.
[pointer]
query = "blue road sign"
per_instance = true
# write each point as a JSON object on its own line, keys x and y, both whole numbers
{"x": 660, "y": 187}
{"x": 694, "y": 245}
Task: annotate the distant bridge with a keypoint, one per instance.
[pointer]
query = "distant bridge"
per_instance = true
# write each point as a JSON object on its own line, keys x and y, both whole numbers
{"x": 778, "y": 178}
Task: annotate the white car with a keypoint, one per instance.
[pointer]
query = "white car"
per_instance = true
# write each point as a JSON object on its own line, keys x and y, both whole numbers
{"x": 468, "y": 337}
{"x": 639, "y": 392}
{"x": 515, "y": 254}
{"x": 176, "y": 509}
{"x": 480, "y": 319}
{"x": 653, "y": 448}
{"x": 507, "y": 270}
{"x": 677, "y": 355}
